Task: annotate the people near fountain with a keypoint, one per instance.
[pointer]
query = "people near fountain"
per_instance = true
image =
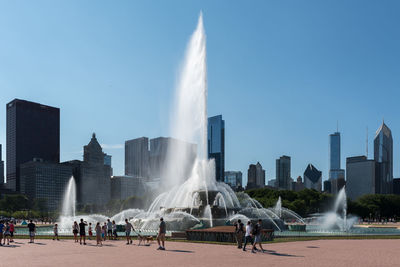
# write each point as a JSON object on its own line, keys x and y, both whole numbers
{"x": 247, "y": 236}
{"x": 90, "y": 231}
{"x": 32, "y": 230}
{"x": 75, "y": 230}
{"x": 239, "y": 232}
{"x": 99, "y": 232}
{"x": 114, "y": 230}
{"x": 1, "y": 232}
{"x": 162, "y": 229}
{"x": 256, "y": 232}
{"x": 104, "y": 231}
{"x": 109, "y": 229}
{"x": 7, "y": 234}
{"x": 12, "y": 230}
{"x": 55, "y": 230}
{"x": 128, "y": 229}
{"x": 82, "y": 232}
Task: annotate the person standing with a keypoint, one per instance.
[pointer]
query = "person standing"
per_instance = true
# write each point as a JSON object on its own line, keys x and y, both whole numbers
{"x": 114, "y": 230}
{"x": 257, "y": 236}
{"x": 32, "y": 230}
{"x": 7, "y": 234}
{"x": 98, "y": 234}
{"x": 109, "y": 229}
{"x": 162, "y": 229}
{"x": 128, "y": 228}
{"x": 1, "y": 232}
{"x": 247, "y": 237}
{"x": 82, "y": 232}
{"x": 104, "y": 231}
{"x": 75, "y": 231}
{"x": 12, "y": 230}
{"x": 90, "y": 231}
{"x": 55, "y": 230}
{"x": 239, "y": 231}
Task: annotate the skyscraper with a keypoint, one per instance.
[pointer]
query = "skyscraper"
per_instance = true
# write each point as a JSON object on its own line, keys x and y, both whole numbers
{"x": 361, "y": 176}
{"x": 216, "y": 145}
{"x": 383, "y": 155}
{"x": 33, "y": 131}
{"x": 233, "y": 179}
{"x": 255, "y": 176}
{"x": 1, "y": 168}
{"x": 137, "y": 157}
{"x": 313, "y": 178}
{"x": 283, "y": 177}
{"x": 335, "y": 172}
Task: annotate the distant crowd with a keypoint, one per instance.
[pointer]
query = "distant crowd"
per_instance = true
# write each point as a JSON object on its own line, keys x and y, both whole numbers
{"x": 101, "y": 232}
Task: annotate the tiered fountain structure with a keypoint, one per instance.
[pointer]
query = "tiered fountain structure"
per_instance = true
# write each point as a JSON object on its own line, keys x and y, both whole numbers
{"x": 199, "y": 200}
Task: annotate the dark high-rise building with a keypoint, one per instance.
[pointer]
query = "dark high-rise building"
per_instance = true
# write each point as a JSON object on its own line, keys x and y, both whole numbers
{"x": 396, "y": 186}
{"x": 335, "y": 172}
{"x": 255, "y": 176}
{"x": 45, "y": 181}
{"x": 313, "y": 178}
{"x": 327, "y": 186}
{"x": 216, "y": 145}
{"x": 33, "y": 131}
{"x": 383, "y": 155}
{"x": 1, "y": 168}
{"x": 123, "y": 187}
{"x": 92, "y": 175}
{"x": 361, "y": 176}
{"x": 283, "y": 179}
{"x": 137, "y": 157}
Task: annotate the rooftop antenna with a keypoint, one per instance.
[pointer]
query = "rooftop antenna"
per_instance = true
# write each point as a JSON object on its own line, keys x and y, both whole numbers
{"x": 367, "y": 142}
{"x": 337, "y": 126}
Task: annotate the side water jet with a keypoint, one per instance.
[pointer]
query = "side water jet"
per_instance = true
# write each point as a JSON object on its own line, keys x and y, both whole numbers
{"x": 69, "y": 200}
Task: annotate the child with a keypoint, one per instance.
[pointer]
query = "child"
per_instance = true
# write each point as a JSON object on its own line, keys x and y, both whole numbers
{"x": 55, "y": 230}
{"x": 90, "y": 231}
{"x": 104, "y": 232}
{"x": 99, "y": 234}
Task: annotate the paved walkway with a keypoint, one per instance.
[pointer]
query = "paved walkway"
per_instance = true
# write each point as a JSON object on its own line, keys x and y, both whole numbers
{"x": 116, "y": 253}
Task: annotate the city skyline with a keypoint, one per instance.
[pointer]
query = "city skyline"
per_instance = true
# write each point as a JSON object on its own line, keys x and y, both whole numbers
{"x": 119, "y": 100}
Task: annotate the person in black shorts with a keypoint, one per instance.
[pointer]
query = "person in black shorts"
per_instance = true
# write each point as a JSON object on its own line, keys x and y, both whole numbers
{"x": 32, "y": 230}
{"x": 82, "y": 231}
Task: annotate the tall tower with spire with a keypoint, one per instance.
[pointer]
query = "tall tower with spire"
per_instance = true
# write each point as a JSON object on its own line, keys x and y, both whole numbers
{"x": 383, "y": 156}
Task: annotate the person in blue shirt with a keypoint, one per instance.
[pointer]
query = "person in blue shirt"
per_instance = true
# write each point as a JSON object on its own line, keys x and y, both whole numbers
{"x": 1, "y": 231}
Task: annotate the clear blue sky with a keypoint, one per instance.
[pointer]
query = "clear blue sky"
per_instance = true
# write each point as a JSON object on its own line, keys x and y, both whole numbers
{"x": 280, "y": 72}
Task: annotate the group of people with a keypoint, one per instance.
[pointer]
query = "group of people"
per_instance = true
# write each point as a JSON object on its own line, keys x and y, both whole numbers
{"x": 6, "y": 232}
{"x": 102, "y": 231}
{"x": 252, "y": 235}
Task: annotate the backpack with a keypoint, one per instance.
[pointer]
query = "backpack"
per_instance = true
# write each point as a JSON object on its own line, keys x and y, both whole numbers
{"x": 255, "y": 230}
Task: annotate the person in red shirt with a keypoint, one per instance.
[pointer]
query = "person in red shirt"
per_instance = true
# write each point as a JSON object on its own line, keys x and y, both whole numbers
{"x": 12, "y": 231}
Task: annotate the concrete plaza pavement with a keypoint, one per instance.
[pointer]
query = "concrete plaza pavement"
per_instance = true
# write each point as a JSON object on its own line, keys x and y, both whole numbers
{"x": 117, "y": 253}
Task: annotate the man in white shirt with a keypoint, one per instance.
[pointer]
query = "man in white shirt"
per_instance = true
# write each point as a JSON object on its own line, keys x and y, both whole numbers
{"x": 247, "y": 237}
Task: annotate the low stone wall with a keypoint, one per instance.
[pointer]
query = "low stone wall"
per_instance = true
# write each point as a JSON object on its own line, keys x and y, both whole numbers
{"x": 223, "y": 234}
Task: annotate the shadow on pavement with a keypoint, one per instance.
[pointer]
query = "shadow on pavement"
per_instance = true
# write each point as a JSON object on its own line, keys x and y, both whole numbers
{"x": 273, "y": 252}
{"x": 312, "y": 247}
{"x": 178, "y": 250}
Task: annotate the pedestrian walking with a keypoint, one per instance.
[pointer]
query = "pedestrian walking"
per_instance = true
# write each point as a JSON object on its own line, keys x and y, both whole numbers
{"x": 239, "y": 231}
{"x": 128, "y": 229}
{"x": 7, "y": 234}
{"x": 257, "y": 236}
{"x": 114, "y": 230}
{"x": 247, "y": 236}
{"x": 162, "y": 229}
{"x": 55, "y": 230}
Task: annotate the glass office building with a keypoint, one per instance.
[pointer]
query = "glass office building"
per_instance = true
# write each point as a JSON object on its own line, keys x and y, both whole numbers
{"x": 383, "y": 155}
{"x": 216, "y": 145}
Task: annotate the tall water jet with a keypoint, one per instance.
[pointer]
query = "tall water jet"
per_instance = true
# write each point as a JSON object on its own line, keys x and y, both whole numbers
{"x": 69, "y": 200}
{"x": 189, "y": 117}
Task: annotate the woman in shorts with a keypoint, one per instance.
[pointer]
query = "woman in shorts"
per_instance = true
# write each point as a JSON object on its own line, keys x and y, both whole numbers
{"x": 75, "y": 228}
